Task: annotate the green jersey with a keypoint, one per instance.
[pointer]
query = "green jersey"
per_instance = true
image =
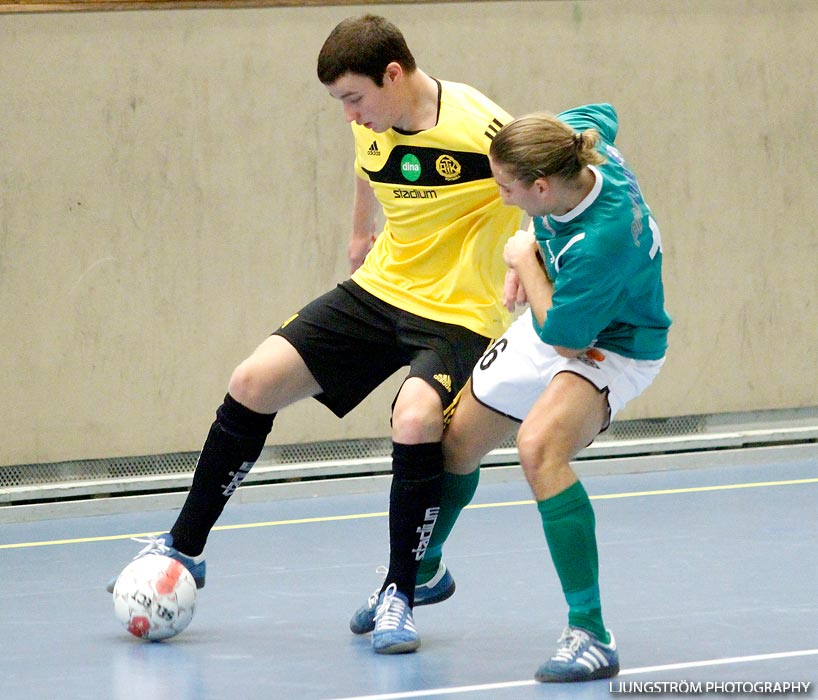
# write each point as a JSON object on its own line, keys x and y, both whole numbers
{"x": 605, "y": 258}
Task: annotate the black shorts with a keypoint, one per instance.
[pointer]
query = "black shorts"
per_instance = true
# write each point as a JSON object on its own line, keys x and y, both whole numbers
{"x": 352, "y": 341}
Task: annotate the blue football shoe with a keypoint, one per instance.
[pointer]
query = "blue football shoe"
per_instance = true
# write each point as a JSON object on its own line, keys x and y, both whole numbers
{"x": 440, "y": 587}
{"x": 580, "y": 656}
{"x": 163, "y": 544}
{"x": 395, "y": 631}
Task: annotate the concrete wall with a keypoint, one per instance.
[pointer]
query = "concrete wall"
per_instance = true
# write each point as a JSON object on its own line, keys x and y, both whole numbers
{"x": 174, "y": 184}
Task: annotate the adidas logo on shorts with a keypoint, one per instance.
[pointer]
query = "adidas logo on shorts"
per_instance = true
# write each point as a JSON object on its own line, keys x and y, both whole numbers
{"x": 445, "y": 380}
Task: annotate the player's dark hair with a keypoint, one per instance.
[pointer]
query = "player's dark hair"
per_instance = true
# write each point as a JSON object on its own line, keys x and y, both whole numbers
{"x": 540, "y": 145}
{"x": 364, "y": 46}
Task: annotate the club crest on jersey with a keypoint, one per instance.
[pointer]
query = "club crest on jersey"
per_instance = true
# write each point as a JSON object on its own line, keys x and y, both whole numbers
{"x": 448, "y": 168}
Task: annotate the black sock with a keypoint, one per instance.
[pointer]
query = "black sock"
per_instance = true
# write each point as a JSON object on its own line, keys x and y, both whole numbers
{"x": 414, "y": 502}
{"x": 233, "y": 445}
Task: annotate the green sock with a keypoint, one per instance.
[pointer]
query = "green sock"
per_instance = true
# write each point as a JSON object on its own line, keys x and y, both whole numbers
{"x": 458, "y": 491}
{"x": 569, "y": 525}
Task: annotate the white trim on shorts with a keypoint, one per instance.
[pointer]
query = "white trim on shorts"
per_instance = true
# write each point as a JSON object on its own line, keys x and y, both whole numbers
{"x": 516, "y": 370}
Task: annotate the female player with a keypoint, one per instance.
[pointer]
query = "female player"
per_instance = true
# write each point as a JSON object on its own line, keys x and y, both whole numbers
{"x": 593, "y": 338}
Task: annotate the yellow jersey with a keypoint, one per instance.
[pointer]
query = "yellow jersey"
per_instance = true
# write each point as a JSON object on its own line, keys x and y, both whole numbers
{"x": 440, "y": 254}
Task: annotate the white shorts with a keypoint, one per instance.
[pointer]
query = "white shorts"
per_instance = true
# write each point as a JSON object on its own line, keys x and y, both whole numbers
{"x": 516, "y": 370}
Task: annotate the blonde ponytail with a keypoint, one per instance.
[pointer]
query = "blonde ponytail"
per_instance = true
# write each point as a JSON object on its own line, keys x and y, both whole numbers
{"x": 540, "y": 145}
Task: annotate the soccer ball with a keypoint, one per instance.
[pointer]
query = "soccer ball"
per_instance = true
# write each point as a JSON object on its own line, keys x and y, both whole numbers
{"x": 154, "y": 597}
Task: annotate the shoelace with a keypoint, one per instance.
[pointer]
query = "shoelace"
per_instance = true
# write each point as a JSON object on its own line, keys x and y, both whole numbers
{"x": 372, "y": 601}
{"x": 569, "y": 643}
{"x": 154, "y": 546}
{"x": 390, "y": 612}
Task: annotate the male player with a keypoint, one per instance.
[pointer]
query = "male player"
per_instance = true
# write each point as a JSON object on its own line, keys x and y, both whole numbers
{"x": 427, "y": 294}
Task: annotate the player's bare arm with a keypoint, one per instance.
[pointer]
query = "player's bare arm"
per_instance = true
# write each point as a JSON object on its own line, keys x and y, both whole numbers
{"x": 521, "y": 254}
{"x": 513, "y": 291}
{"x": 364, "y": 229}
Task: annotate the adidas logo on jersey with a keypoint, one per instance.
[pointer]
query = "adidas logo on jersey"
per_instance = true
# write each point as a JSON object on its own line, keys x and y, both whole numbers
{"x": 373, "y": 149}
{"x": 445, "y": 380}
{"x": 493, "y": 128}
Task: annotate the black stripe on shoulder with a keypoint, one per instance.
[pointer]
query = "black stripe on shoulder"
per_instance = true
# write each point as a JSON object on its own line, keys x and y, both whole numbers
{"x": 493, "y": 128}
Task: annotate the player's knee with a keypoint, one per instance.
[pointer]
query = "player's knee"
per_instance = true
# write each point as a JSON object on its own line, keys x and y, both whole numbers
{"x": 247, "y": 384}
{"x": 418, "y": 423}
{"x": 539, "y": 451}
{"x": 529, "y": 450}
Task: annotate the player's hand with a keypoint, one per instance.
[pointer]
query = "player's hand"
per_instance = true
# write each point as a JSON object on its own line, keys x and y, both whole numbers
{"x": 359, "y": 247}
{"x": 520, "y": 247}
{"x": 513, "y": 291}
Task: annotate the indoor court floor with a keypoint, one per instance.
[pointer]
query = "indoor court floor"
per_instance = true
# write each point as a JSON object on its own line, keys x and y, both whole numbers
{"x": 708, "y": 574}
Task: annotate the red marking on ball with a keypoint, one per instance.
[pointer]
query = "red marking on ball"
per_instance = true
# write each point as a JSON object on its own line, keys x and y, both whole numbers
{"x": 166, "y": 583}
{"x": 139, "y": 626}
